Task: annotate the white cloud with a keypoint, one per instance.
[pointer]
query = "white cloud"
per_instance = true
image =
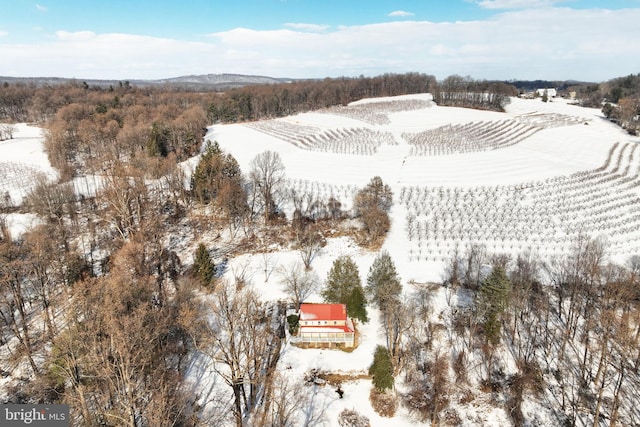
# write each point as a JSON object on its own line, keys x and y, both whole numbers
{"x": 306, "y": 27}
{"x": 75, "y": 36}
{"x": 554, "y": 43}
{"x": 4, "y": 33}
{"x": 400, "y": 14}
{"x": 516, "y": 4}
{"x": 111, "y": 56}
{"x": 41, "y": 8}
{"x": 550, "y": 43}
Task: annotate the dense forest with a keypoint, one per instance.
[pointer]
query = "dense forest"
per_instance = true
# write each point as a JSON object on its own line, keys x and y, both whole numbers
{"x": 118, "y": 354}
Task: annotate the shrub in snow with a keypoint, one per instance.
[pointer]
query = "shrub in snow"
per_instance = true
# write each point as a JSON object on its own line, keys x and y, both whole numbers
{"x": 351, "y": 418}
{"x": 383, "y": 402}
{"x": 6, "y": 131}
{"x": 293, "y": 320}
{"x": 428, "y": 394}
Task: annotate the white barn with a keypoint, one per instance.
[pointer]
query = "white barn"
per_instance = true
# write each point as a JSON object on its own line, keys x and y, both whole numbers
{"x": 551, "y": 93}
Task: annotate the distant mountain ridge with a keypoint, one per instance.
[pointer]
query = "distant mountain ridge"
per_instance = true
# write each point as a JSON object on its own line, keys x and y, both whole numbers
{"x": 220, "y": 81}
{"x": 204, "y": 81}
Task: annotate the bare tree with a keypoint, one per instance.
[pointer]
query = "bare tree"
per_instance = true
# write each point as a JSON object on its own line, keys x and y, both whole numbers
{"x": 241, "y": 337}
{"x": 14, "y": 296}
{"x": 267, "y": 176}
{"x": 297, "y": 282}
{"x": 476, "y": 259}
{"x": 40, "y": 263}
{"x": 452, "y": 274}
{"x": 285, "y": 403}
{"x": 53, "y": 202}
{"x": 309, "y": 245}
{"x": 121, "y": 351}
{"x": 306, "y": 204}
{"x": 125, "y": 200}
{"x": 268, "y": 264}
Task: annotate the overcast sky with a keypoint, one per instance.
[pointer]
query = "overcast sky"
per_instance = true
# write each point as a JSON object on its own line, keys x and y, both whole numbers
{"x": 592, "y": 40}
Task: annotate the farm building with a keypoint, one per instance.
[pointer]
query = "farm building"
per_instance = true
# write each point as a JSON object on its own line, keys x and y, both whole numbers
{"x": 551, "y": 93}
{"x": 325, "y": 324}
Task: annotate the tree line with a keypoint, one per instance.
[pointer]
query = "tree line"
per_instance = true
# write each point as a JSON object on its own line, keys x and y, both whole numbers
{"x": 458, "y": 91}
{"x": 619, "y": 99}
{"x": 271, "y": 101}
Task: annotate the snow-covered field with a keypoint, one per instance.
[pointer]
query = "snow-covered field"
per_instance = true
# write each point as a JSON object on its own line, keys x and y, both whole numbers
{"x": 571, "y": 171}
{"x": 22, "y": 159}
{"x": 538, "y": 194}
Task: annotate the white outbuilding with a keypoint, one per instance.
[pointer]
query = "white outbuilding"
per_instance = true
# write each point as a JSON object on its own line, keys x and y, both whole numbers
{"x": 551, "y": 93}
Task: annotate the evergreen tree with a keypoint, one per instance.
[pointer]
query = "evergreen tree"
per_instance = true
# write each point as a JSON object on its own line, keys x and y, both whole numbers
{"x": 381, "y": 369}
{"x": 383, "y": 283}
{"x": 157, "y": 145}
{"x": 204, "y": 176}
{"x": 203, "y": 266}
{"x": 357, "y": 305}
{"x": 343, "y": 286}
{"x": 493, "y": 297}
{"x": 218, "y": 173}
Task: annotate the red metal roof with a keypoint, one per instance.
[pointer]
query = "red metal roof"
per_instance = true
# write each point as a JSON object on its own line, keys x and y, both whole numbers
{"x": 323, "y": 312}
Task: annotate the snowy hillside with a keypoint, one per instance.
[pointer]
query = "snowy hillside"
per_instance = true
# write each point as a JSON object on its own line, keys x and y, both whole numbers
{"x": 565, "y": 161}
